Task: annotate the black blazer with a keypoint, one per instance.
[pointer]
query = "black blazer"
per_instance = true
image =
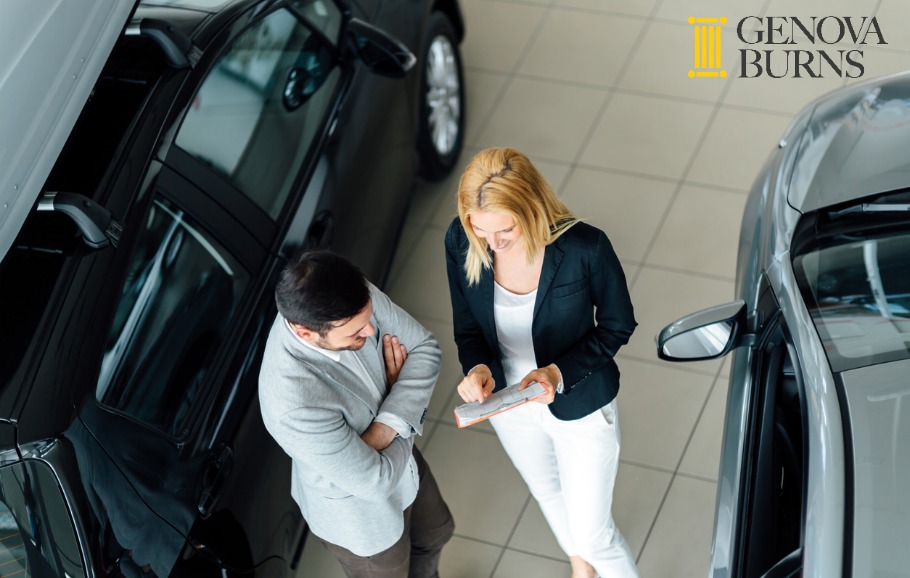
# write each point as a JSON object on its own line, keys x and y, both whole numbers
{"x": 580, "y": 272}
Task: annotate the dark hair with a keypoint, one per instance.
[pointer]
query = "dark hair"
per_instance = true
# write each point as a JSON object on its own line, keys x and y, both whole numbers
{"x": 319, "y": 288}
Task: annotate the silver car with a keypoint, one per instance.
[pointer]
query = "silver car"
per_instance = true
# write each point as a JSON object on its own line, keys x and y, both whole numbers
{"x": 814, "y": 475}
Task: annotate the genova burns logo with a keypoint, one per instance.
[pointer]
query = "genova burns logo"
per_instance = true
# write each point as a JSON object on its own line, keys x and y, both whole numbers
{"x": 789, "y": 46}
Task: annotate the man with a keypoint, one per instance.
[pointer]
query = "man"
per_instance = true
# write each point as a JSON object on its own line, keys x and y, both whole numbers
{"x": 344, "y": 387}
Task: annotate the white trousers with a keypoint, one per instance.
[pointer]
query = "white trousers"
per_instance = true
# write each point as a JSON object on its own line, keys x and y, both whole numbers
{"x": 570, "y": 468}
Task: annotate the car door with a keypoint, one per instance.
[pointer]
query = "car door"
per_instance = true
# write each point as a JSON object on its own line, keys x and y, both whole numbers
{"x": 289, "y": 128}
{"x": 760, "y": 516}
{"x": 192, "y": 284}
{"x": 259, "y": 113}
{"x": 371, "y": 158}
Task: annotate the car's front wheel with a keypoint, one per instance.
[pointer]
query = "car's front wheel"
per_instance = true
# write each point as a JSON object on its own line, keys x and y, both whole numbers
{"x": 441, "y": 133}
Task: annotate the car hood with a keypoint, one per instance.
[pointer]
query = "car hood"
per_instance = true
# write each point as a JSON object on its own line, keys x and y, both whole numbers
{"x": 51, "y": 53}
{"x": 878, "y": 398}
{"x": 855, "y": 145}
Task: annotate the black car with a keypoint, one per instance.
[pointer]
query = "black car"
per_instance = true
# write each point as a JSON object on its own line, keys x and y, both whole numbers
{"x": 220, "y": 138}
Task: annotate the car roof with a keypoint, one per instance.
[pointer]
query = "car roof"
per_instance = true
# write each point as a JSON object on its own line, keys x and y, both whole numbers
{"x": 50, "y": 61}
{"x": 198, "y": 20}
{"x": 854, "y": 145}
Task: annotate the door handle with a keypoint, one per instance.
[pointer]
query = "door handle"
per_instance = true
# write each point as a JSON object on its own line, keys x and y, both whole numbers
{"x": 319, "y": 235}
{"x": 214, "y": 478}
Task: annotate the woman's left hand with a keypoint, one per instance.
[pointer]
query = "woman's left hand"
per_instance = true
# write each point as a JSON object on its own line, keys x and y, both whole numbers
{"x": 548, "y": 377}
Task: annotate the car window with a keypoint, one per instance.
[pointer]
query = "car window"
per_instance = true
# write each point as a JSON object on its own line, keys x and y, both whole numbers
{"x": 37, "y": 537}
{"x": 261, "y": 108}
{"x": 858, "y": 293}
{"x": 181, "y": 291}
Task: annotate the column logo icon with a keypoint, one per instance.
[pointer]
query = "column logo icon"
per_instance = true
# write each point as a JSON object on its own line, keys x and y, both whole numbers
{"x": 707, "y": 61}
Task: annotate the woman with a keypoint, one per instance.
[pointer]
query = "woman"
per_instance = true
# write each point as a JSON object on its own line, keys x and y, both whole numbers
{"x": 526, "y": 278}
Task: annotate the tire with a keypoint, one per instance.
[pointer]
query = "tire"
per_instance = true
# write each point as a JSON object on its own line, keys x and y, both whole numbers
{"x": 441, "y": 126}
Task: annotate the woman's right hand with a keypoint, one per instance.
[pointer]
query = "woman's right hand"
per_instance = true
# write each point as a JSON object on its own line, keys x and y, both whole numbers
{"x": 477, "y": 385}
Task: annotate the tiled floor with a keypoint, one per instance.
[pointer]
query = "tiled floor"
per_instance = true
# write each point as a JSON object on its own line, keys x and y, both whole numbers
{"x": 597, "y": 93}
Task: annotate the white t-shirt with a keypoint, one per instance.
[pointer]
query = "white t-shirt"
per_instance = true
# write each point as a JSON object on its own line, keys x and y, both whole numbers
{"x": 513, "y": 315}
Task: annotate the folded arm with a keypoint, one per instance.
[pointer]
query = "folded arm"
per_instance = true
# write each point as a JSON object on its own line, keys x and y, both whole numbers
{"x": 409, "y": 397}
{"x": 322, "y": 441}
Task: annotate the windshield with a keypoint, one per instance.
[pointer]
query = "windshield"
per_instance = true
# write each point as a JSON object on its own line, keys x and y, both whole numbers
{"x": 857, "y": 291}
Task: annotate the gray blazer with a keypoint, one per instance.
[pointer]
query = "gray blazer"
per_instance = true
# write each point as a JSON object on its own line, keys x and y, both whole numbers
{"x": 316, "y": 409}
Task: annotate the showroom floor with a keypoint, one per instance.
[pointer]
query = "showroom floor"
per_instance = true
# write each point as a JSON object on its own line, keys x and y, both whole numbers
{"x": 597, "y": 93}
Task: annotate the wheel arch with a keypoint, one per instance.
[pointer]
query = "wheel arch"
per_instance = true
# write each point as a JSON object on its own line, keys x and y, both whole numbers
{"x": 451, "y": 9}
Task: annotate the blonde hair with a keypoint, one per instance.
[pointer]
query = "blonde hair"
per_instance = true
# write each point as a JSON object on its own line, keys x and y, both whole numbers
{"x": 503, "y": 180}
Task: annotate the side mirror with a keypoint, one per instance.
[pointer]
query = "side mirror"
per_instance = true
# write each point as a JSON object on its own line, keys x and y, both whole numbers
{"x": 707, "y": 334}
{"x": 381, "y": 52}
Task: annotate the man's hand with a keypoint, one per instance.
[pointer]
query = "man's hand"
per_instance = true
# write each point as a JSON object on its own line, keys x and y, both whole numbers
{"x": 378, "y": 436}
{"x": 548, "y": 377}
{"x": 477, "y": 385}
{"x": 395, "y": 353}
